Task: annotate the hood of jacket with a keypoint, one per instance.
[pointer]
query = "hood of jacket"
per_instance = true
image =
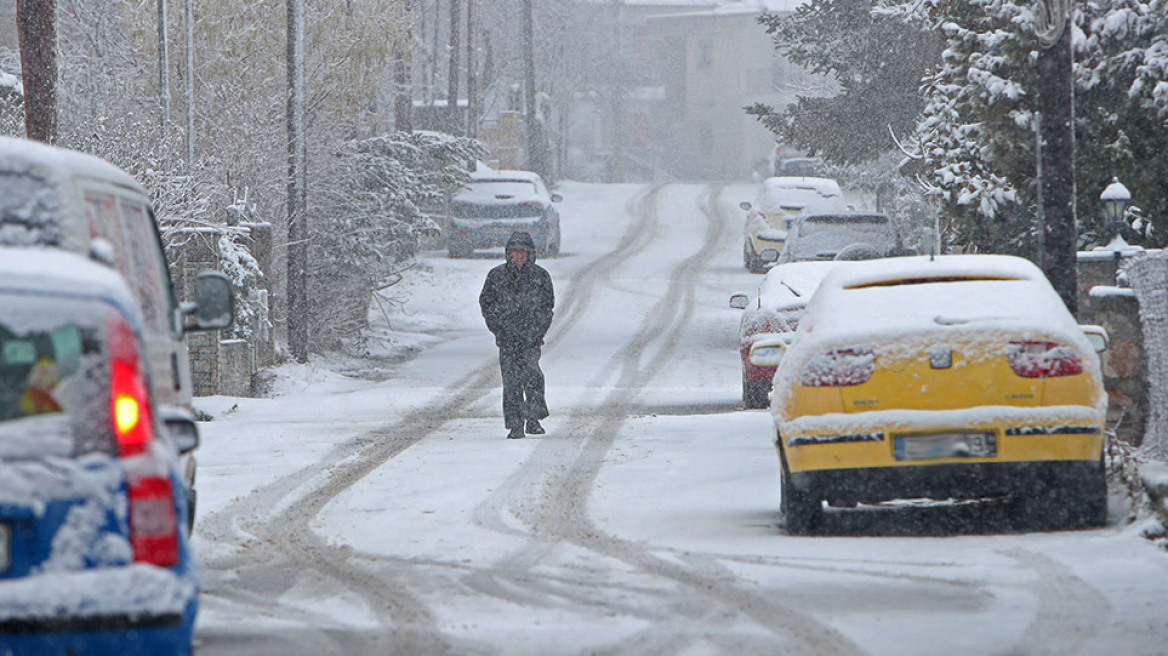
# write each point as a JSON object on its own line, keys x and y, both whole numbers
{"x": 521, "y": 240}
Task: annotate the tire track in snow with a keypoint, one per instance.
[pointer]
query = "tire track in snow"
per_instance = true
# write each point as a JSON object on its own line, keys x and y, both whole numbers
{"x": 568, "y": 473}
{"x": 1070, "y": 611}
{"x": 270, "y": 553}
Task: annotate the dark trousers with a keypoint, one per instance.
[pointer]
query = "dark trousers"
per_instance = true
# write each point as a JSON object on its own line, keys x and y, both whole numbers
{"x": 522, "y": 385}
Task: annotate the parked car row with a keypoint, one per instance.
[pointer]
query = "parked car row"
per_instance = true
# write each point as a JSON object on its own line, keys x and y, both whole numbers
{"x": 97, "y": 493}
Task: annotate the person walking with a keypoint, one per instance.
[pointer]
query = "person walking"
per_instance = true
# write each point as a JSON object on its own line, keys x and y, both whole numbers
{"x": 517, "y": 301}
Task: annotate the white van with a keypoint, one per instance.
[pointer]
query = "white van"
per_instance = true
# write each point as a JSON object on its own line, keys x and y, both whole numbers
{"x": 52, "y": 197}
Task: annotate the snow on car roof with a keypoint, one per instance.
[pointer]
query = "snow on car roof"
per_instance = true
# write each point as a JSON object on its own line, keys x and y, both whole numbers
{"x": 55, "y": 163}
{"x": 505, "y": 175}
{"x": 825, "y": 186}
{"x": 793, "y": 194}
{"x": 792, "y": 284}
{"x": 888, "y": 298}
{"x": 52, "y": 269}
{"x": 500, "y": 191}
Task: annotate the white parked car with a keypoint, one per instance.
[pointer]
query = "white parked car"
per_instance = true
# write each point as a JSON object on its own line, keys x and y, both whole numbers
{"x": 783, "y": 294}
{"x": 773, "y": 212}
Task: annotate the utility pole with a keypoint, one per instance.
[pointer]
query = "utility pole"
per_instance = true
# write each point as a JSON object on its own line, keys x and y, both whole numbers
{"x": 618, "y": 95}
{"x": 403, "y": 97}
{"x": 453, "y": 76}
{"x": 298, "y": 310}
{"x": 163, "y": 65}
{"x": 472, "y": 128}
{"x": 535, "y": 159}
{"x": 1056, "y": 95}
{"x": 189, "y": 25}
{"x": 36, "y": 26}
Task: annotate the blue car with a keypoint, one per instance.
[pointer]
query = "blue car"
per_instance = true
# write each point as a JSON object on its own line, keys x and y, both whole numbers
{"x": 94, "y": 552}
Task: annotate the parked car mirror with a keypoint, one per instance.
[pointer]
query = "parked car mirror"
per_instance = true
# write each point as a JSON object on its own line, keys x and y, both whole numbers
{"x": 768, "y": 352}
{"x": 182, "y": 427}
{"x": 768, "y": 255}
{"x": 739, "y": 301}
{"x": 1097, "y": 336}
{"x": 745, "y": 205}
{"x": 556, "y": 198}
{"x": 214, "y": 306}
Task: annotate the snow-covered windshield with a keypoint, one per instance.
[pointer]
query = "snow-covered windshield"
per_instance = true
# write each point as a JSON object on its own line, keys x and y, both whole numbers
{"x": 51, "y": 377}
{"x": 28, "y": 210}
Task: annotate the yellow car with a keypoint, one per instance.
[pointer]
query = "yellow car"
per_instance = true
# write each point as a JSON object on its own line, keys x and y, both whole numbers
{"x": 955, "y": 377}
{"x": 773, "y": 212}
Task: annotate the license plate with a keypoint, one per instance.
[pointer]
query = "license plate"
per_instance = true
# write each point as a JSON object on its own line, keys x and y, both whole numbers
{"x": 945, "y": 445}
{"x": 5, "y": 547}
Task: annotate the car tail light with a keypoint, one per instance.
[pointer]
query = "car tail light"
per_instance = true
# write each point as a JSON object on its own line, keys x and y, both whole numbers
{"x": 1043, "y": 360}
{"x": 839, "y": 368}
{"x": 533, "y": 204}
{"x": 153, "y": 524}
{"x": 153, "y": 519}
{"x": 129, "y": 400}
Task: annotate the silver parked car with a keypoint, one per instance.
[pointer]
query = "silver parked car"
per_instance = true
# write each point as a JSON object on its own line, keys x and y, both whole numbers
{"x": 494, "y": 204}
{"x": 841, "y": 236}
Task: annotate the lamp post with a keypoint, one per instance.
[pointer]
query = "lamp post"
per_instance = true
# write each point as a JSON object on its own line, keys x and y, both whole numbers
{"x": 1114, "y": 201}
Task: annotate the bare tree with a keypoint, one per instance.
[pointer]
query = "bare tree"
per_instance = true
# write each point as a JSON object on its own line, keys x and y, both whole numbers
{"x": 36, "y": 24}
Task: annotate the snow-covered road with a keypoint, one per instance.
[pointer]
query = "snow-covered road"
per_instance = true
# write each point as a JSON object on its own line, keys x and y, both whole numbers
{"x": 388, "y": 514}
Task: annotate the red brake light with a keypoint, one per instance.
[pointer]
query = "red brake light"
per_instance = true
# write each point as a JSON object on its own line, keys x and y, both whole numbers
{"x": 839, "y": 368}
{"x": 1042, "y": 360}
{"x": 153, "y": 518}
{"x": 129, "y": 399}
{"x": 531, "y": 203}
{"x": 153, "y": 524}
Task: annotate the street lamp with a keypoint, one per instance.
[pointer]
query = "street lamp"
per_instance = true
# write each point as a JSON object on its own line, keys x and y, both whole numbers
{"x": 1114, "y": 201}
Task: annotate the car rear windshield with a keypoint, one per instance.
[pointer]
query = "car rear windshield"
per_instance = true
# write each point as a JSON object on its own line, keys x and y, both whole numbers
{"x": 926, "y": 280}
{"x": 29, "y": 210}
{"x": 54, "y": 389}
{"x": 827, "y": 235}
{"x": 497, "y": 200}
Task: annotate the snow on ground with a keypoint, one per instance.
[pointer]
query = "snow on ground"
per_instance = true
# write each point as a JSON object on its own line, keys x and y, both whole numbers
{"x": 691, "y": 482}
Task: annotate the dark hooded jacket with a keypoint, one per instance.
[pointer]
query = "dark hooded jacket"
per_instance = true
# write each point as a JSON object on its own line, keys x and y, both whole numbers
{"x": 517, "y": 302}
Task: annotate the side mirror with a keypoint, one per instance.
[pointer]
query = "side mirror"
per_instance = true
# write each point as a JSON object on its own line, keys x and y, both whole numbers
{"x": 745, "y": 205}
{"x": 182, "y": 427}
{"x": 739, "y": 301}
{"x": 1097, "y": 336}
{"x": 557, "y": 198}
{"x": 769, "y": 255}
{"x": 768, "y": 352}
{"x": 214, "y": 305}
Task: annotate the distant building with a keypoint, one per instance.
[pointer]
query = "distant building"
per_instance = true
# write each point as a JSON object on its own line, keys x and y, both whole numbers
{"x": 8, "y": 37}
{"x": 690, "y": 67}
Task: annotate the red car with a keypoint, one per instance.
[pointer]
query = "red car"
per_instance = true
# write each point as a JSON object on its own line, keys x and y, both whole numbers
{"x": 783, "y": 294}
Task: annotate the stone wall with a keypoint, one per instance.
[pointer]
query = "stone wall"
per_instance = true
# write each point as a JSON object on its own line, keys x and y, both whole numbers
{"x": 221, "y": 364}
{"x": 1107, "y": 300}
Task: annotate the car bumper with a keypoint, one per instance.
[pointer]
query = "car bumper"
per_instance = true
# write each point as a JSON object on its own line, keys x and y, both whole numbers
{"x": 1020, "y": 435}
{"x": 127, "y": 610}
{"x": 846, "y": 487}
{"x": 495, "y": 234}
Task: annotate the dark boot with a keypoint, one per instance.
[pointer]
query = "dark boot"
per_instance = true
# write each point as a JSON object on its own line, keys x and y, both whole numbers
{"x": 533, "y": 427}
{"x": 515, "y": 434}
